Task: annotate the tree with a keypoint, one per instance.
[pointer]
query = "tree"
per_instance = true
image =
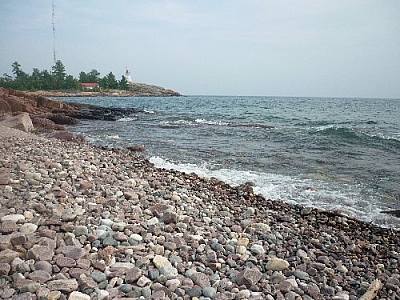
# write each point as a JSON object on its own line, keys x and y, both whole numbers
{"x": 46, "y": 80}
{"x": 92, "y": 76}
{"x": 59, "y": 74}
{"x": 16, "y": 69}
{"x": 21, "y": 78}
{"x": 123, "y": 83}
{"x": 6, "y": 81}
{"x": 109, "y": 81}
{"x": 70, "y": 83}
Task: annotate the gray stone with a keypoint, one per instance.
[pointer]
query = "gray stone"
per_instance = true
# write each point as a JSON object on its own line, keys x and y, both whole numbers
{"x": 209, "y": 291}
{"x": 63, "y": 285}
{"x": 98, "y": 276}
{"x": 257, "y": 249}
{"x": 40, "y": 276}
{"x": 126, "y": 288}
{"x": 301, "y": 275}
{"x": 4, "y": 268}
{"x": 169, "y": 272}
{"x": 81, "y": 230}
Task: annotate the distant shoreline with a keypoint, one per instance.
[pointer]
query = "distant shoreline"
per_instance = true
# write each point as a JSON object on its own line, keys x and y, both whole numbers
{"x": 100, "y": 94}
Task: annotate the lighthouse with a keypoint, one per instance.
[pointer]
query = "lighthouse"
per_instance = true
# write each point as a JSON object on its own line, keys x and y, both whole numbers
{"x": 128, "y": 75}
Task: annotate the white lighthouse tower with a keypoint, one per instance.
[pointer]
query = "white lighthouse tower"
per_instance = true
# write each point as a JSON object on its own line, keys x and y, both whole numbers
{"x": 128, "y": 75}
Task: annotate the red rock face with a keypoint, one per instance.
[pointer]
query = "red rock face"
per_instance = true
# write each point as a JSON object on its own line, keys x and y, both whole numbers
{"x": 12, "y": 101}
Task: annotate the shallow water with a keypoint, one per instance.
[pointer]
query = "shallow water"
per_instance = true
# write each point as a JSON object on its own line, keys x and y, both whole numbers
{"x": 346, "y": 150}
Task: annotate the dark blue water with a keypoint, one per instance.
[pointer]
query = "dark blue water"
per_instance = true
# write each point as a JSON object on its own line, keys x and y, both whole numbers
{"x": 347, "y": 150}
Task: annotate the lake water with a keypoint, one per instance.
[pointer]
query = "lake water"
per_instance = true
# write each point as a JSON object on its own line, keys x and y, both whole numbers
{"x": 331, "y": 153}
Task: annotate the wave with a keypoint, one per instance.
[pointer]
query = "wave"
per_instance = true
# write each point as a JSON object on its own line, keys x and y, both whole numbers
{"x": 148, "y": 111}
{"x": 127, "y": 119}
{"x": 328, "y": 195}
{"x": 359, "y": 135}
{"x": 207, "y": 122}
{"x": 201, "y": 122}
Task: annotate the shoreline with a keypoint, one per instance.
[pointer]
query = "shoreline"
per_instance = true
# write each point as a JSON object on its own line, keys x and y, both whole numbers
{"x": 114, "y": 226}
{"x": 115, "y": 93}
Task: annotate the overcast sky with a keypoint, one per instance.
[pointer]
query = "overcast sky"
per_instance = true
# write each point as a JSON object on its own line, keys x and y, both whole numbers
{"x": 203, "y": 47}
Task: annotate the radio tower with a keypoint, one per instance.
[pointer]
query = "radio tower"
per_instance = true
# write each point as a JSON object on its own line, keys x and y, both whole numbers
{"x": 54, "y": 33}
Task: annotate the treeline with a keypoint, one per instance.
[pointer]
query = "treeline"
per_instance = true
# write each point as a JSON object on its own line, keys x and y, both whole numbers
{"x": 58, "y": 79}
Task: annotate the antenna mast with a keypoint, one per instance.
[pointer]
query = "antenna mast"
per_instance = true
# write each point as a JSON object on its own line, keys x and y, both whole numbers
{"x": 54, "y": 33}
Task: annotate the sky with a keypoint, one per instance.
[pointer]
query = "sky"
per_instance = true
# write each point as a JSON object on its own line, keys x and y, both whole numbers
{"x": 299, "y": 48}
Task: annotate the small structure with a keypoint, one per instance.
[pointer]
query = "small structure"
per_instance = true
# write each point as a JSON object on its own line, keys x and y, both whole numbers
{"x": 128, "y": 75}
{"x": 89, "y": 86}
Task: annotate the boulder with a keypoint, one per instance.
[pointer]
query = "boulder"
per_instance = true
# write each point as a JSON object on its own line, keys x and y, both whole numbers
{"x": 21, "y": 122}
{"x": 5, "y": 108}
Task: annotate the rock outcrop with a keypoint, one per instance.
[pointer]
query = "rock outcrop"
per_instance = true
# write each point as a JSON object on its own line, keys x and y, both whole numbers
{"x": 135, "y": 90}
{"x": 47, "y": 114}
{"x": 12, "y": 101}
{"x": 21, "y": 121}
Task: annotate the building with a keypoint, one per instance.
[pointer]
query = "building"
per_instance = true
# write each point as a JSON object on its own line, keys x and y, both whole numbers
{"x": 89, "y": 86}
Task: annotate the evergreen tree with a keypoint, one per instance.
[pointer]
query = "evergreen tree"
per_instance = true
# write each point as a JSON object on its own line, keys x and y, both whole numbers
{"x": 59, "y": 74}
{"x": 21, "y": 78}
{"x": 123, "y": 83}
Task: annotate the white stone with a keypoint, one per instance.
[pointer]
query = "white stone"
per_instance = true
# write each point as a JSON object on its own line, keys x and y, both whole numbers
{"x": 136, "y": 237}
{"x": 175, "y": 197}
{"x": 106, "y": 222}
{"x": 123, "y": 265}
{"x": 131, "y": 182}
{"x": 102, "y": 294}
{"x": 28, "y": 215}
{"x": 342, "y": 269}
{"x": 78, "y": 296}
{"x": 152, "y": 221}
{"x": 28, "y": 228}
{"x": 277, "y": 264}
{"x": 161, "y": 261}
{"x": 241, "y": 249}
{"x": 13, "y": 217}
{"x": 55, "y": 165}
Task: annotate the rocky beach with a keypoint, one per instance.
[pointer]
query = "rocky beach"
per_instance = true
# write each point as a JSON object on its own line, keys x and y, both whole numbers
{"x": 84, "y": 222}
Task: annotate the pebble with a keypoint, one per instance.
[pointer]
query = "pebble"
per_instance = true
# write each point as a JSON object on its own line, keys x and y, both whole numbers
{"x": 161, "y": 261}
{"x": 276, "y": 264}
{"x": 13, "y": 217}
{"x": 78, "y": 296}
{"x": 28, "y": 228}
{"x": 82, "y": 222}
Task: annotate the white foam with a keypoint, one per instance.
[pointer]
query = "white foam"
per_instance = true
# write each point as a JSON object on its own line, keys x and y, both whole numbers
{"x": 149, "y": 111}
{"x": 126, "y": 119}
{"x": 346, "y": 198}
{"x": 207, "y": 122}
